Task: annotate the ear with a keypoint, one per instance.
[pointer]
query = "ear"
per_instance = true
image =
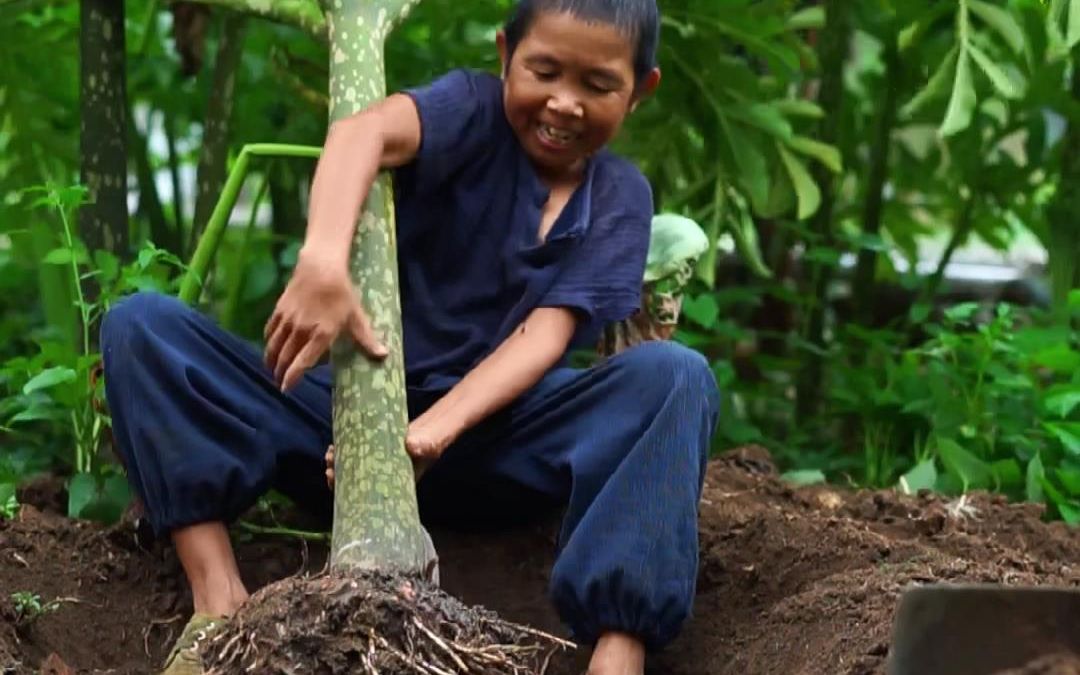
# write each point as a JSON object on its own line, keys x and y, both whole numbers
{"x": 500, "y": 43}
{"x": 646, "y": 88}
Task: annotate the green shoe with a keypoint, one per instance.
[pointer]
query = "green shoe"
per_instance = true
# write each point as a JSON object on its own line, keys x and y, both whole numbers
{"x": 184, "y": 657}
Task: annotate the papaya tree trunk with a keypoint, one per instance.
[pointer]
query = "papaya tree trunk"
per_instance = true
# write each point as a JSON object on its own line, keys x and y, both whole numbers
{"x": 376, "y": 519}
{"x": 103, "y": 222}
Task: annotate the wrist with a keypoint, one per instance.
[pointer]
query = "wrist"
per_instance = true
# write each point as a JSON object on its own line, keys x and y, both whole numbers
{"x": 323, "y": 256}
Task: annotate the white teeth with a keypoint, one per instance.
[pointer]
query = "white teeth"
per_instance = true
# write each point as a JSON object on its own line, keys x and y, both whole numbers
{"x": 556, "y": 135}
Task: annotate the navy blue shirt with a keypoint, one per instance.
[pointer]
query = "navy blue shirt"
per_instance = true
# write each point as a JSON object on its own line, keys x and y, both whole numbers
{"x": 471, "y": 263}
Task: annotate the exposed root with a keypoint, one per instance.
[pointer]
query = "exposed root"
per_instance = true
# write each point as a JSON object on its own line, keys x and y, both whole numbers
{"x": 373, "y": 624}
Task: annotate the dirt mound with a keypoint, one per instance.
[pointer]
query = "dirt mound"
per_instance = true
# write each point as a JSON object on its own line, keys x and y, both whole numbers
{"x": 341, "y": 623}
{"x": 791, "y": 580}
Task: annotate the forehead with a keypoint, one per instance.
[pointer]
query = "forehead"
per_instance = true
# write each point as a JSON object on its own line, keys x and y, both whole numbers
{"x": 588, "y": 44}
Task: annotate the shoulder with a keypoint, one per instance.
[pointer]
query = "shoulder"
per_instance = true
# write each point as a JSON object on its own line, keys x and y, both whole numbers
{"x": 620, "y": 186}
{"x": 461, "y": 87}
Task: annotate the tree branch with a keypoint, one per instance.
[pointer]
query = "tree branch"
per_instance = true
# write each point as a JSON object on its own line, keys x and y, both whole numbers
{"x": 303, "y": 14}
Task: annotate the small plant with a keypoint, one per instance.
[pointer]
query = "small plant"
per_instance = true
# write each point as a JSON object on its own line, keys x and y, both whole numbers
{"x": 29, "y": 607}
{"x": 61, "y": 384}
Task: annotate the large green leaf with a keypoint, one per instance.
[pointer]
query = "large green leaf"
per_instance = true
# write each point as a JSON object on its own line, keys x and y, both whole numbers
{"x": 936, "y": 87}
{"x": 1072, "y": 33}
{"x": 49, "y": 377}
{"x": 963, "y": 99}
{"x": 1035, "y": 477}
{"x": 826, "y": 154}
{"x": 806, "y": 189}
{"x": 1062, "y": 403}
{"x": 972, "y": 471}
{"x": 1001, "y": 21}
{"x": 1002, "y": 82}
{"x": 1068, "y": 433}
{"x": 922, "y": 476}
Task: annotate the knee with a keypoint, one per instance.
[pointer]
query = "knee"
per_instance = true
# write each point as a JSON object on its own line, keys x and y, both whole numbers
{"x": 666, "y": 366}
{"x": 132, "y": 318}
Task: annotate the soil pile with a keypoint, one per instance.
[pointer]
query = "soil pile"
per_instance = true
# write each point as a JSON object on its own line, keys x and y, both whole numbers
{"x": 791, "y": 580}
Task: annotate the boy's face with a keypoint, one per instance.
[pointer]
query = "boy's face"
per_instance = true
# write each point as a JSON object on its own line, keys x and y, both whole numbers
{"x": 568, "y": 88}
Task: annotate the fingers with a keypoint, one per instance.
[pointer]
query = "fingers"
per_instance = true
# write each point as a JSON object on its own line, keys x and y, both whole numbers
{"x": 330, "y": 467}
{"x": 308, "y": 356}
{"x": 364, "y": 335}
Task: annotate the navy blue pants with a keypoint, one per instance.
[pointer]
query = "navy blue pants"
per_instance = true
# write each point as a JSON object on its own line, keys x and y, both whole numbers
{"x": 204, "y": 431}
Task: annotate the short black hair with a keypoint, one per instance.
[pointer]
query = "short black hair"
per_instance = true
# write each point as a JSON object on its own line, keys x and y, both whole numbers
{"x": 639, "y": 19}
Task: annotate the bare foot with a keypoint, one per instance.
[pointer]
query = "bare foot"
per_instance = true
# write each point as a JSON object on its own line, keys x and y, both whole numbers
{"x": 617, "y": 654}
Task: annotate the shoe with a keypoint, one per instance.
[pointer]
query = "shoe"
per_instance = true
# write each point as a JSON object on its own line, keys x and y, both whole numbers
{"x": 184, "y": 658}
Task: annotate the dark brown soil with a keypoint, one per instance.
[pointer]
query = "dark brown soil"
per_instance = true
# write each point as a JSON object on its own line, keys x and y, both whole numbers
{"x": 791, "y": 581}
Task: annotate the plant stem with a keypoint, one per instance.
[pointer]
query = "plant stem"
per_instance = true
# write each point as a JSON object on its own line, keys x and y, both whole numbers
{"x": 207, "y": 247}
{"x": 236, "y": 286}
{"x": 833, "y": 50}
{"x": 283, "y": 531}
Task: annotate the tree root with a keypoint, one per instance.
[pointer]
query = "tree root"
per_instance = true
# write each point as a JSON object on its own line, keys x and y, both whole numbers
{"x": 377, "y": 624}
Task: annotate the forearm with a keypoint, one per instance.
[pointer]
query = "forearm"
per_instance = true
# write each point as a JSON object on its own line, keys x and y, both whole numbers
{"x": 345, "y": 173}
{"x": 512, "y": 369}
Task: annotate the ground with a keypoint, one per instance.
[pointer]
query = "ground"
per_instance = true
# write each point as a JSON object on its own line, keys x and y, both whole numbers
{"x": 791, "y": 580}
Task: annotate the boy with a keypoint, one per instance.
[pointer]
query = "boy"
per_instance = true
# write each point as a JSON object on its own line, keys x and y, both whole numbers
{"x": 519, "y": 237}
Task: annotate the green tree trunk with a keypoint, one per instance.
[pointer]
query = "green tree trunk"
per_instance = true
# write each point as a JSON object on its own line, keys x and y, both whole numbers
{"x": 103, "y": 223}
{"x": 1062, "y": 214}
{"x": 863, "y": 285}
{"x": 376, "y": 519}
{"x": 832, "y": 54}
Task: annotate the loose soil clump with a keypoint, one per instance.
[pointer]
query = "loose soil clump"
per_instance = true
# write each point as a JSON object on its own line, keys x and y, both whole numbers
{"x": 792, "y": 580}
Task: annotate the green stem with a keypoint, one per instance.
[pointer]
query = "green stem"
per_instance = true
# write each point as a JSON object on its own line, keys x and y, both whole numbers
{"x": 236, "y": 286}
{"x": 192, "y": 286}
{"x": 283, "y": 532}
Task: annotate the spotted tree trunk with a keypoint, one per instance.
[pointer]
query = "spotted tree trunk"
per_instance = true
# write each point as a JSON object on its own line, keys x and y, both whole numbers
{"x": 103, "y": 223}
{"x": 376, "y": 520}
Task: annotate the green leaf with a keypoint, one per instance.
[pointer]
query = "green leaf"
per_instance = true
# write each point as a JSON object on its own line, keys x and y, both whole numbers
{"x": 9, "y": 504}
{"x": 798, "y": 107}
{"x": 1074, "y": 295}
{"x": 936, "y": 87}
{"x": 963, "y": 100}
{"x": 807, "y": 19}
{"x": 81, "y": 492}
{"x": 57, "y": 256}
{"x": 1072, "y": 33}
{"x": 762, "y": 116}
{"x": 806, "y": 189}
{"x": 962, "y": 312}
{"x": 1060, "y": 358}
{"x": 1001, "y": 21}
{"x": 702, "y": 310}
{"x": 1070, "y": 512}
{"x": 804, "y": 477}
{"x": 826, "y": 154}
{"x": 1068, "y": 433}
{"x": 972, "y": 471}
{"x": 49, "y": 378}
{"x": 1002, "y": 82}
{"x": 1062, "y": 403}
{"x": 1035, "y": 477}
{"x": 923, "y": 476}
{"x": 1069, "y": 479}
{"x": 753, "y": 169}
{"x": 1007, "y": 473}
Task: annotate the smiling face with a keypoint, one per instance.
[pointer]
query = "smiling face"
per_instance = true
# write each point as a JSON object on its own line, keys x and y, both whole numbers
{"x": 568, "y": 87}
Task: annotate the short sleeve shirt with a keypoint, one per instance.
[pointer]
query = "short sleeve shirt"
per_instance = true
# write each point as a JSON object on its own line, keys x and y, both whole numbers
{"x": 471, "y": 264}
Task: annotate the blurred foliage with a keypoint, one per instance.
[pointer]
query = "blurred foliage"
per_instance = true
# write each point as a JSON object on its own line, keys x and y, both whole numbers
{"x": 927, "y": 382}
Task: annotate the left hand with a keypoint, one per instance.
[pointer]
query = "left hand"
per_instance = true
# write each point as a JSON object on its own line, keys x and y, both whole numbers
{"x": 426, "y": 440}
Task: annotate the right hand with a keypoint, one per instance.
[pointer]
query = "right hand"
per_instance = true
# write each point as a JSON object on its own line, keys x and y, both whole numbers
{"x": 419, "y": 467}
{"x": 318, "y": 305}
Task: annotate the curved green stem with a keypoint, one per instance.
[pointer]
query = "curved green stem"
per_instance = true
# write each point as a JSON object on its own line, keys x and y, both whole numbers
{"x": 192, "y": 286}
